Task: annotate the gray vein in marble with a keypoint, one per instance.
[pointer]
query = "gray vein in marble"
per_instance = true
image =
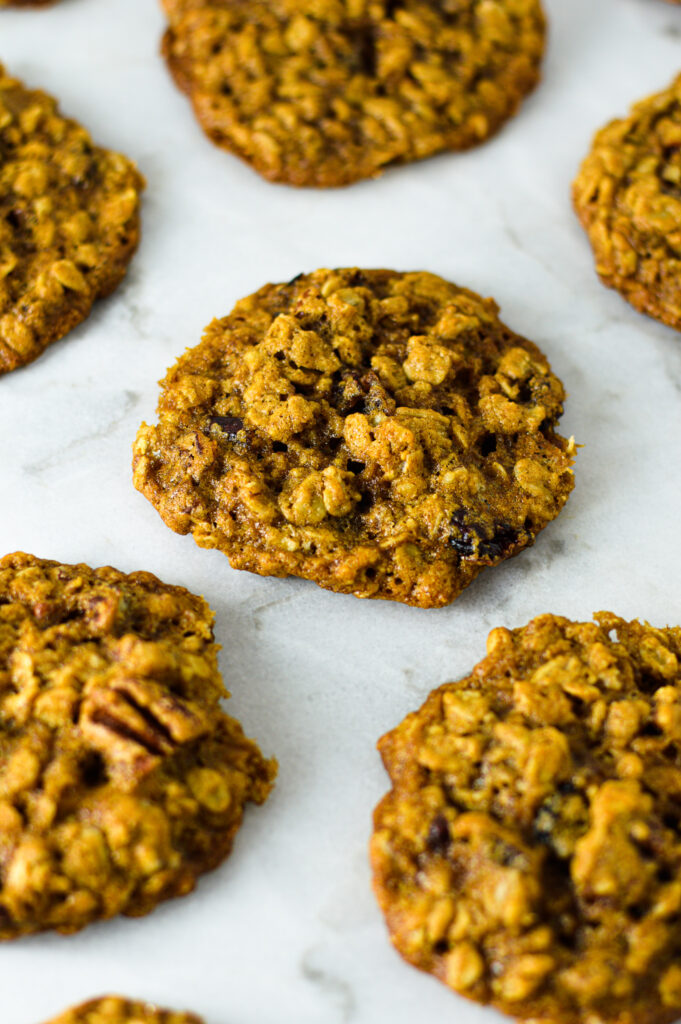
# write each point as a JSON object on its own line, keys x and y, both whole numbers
{"x": 517, "y": 242}
{"x": 260, "y": 610}
{"x": 138, "y": 316}
{"x": 672, "y": 364}
{"x": 55, "y": 458}
{"x": 337, "y": 991}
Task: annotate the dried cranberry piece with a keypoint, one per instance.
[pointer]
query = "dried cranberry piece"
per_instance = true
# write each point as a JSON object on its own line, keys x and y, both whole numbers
{"x": 230, "y": 425}
{"x": 438, "y": 838}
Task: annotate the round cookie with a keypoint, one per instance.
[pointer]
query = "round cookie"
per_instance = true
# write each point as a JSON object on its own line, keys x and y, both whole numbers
{"x": 117, "y": 1010}
{"x": 69, "y": 222}
{"x": 628, "y": 197}
{"x": 328, "y": 92}
{"x": 121, "y": 779}
{"x": 529, "y": 853}
{"x": 380, "y": 433}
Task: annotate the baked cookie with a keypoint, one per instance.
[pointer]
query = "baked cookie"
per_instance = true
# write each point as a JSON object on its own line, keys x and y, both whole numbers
{"x": 121, "y": 779}
{"x": 628, "y": 197}
{"x": 69, "y": 222}
{"x": 116, "y": 1010}
{"x": 529, "y": 853}
{"x": 382, "y": 434}
{"x": 326, "y": 92}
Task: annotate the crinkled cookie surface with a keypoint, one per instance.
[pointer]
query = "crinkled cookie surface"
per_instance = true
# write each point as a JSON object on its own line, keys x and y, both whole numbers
{"x": 326, "y": 92}
{"x": 529, "y": 853}
{"x": 380, "y": 433}
{"x": 117, "y": 1010}
{"x": 69, "y": 222}
{"x": 628, "y": 198}
{"x": 121, "y": 779}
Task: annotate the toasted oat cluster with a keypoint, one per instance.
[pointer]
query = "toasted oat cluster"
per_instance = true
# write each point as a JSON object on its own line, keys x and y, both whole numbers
{"x": 116, "y": 1010}
{"x": 529, "y": 853}
{"x": 325, "y": 92}
{"x": 628, "y": 197}
{"x": 380, "y": 433}
{"x": 69, "y": 222}
{"x": 121, "y": 779}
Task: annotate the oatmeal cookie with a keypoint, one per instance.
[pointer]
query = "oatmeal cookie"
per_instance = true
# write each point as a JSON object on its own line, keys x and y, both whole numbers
{"x": 380, "y": 433}
{"x": 69, "y": 222}
{"x": 529, "y": 853}
{"x": 116, "y": 1010}
{"x": 628, "y": 198}
{"x": 326, "y": 92}
{"x": 121, "y": 779}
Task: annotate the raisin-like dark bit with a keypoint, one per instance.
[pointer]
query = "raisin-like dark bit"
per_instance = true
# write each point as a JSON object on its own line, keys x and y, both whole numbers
{"x": 438, "y": 838}
{"x": 348, "y": 393}
{"x": 504, "y": 538}
{"x": 470, "y": 540}
{"x": 230, "y": 425}
{"x": 354, "y": 392}
{"x": 377, "y": 398}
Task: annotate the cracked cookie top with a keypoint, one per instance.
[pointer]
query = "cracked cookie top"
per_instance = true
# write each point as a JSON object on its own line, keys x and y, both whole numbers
{"x": 69, "y": 222}
{"x": 628, "y": 197}
{"x": 117, "y": 1010}
{"x": 380, "y": 433}
{"x": 529, "y": 853}
{"x": 326, "y": 92}
{"x": 121, "y": 779}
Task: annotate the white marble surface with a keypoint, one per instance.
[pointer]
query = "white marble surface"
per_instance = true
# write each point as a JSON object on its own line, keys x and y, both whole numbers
{"x": 288, "y": 929}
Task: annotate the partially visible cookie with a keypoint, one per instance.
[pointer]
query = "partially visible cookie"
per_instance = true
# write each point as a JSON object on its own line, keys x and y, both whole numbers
{"x": 383, "y": 434}
{"x": 628, "y": 197}
{"x": 529, "y": 853}
{"x": 121, "y": 778}
{"x": 116, "y": 1010}
{"x": 69, "y": 222}
{"x": 326, "y": 92}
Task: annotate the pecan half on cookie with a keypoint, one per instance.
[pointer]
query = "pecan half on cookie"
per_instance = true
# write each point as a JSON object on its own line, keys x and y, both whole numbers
{"x": 380, "y": 433}
{"x": 121, "y": 779}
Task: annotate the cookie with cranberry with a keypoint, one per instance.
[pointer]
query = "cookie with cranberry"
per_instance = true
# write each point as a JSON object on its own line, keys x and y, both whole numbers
{"x": 122, "y": 780}
{"x": 69, "y": 222}
{"x": 117, "y": 1010}
{"x": 324, "y": 93}
{"x": 383, "y": 434}
{"x": 529, "y": 852}
{"x": 628, "y": 197}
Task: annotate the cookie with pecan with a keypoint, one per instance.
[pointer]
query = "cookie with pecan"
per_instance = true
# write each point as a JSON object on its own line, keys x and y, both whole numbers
{"x": 69, "y": 222}
{"x": 117, "y": 1010}
{"x": 325, "y": 93}
{"x": 383, "y": 434}
{"x": 529, "y": 852}
{"x": 121, "y": 779}
{"x": 628, "y": 197}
